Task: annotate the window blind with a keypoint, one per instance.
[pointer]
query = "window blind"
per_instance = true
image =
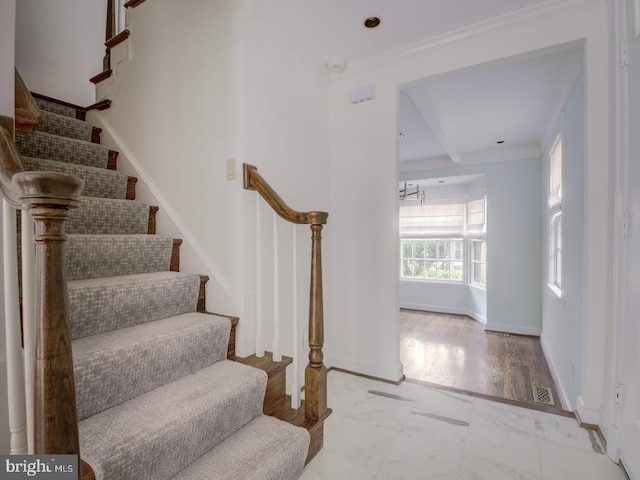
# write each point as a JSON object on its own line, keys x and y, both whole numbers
{"x": 447, "y": 219}
{"x": 476, "y": 216}
{"x": 444, "y": 219}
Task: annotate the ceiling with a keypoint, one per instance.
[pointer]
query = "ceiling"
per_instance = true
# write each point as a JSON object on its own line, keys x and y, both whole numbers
{"x": 455, "y": 118}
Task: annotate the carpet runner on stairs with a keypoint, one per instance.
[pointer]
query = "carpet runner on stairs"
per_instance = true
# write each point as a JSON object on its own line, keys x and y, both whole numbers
{"x": 157, "y": 398}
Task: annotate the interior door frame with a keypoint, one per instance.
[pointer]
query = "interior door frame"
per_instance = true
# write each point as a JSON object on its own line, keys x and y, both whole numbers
{"x": 621, "y": 34}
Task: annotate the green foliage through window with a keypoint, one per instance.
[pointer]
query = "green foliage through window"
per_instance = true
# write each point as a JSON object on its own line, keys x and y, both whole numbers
{"x": 432, "y": 258}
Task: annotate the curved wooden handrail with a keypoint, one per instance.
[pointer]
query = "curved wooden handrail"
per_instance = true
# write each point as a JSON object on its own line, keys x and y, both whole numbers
{"x": 28, "y": 115}
{"x": 254, "y": 181}
{"x": 316, "y": 372}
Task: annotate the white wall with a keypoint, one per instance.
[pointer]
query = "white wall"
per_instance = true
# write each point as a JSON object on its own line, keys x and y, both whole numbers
{"x": 460, "y": 299}
{"x": 514, "y": 237}
{"x": 363, "y": 298}
{"x": 7, "y": 108}
{"x": 283, "y": 130}
{"x": 563, "y": 317}
{"x": 238, "y": 86}
{"x": 60, "y": 45}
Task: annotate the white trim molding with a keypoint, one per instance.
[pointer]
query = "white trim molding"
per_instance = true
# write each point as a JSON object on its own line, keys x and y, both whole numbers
{"x": 535, "y": 13}
{"x": 565, "y": 401}
{"x": 444, "y": 309}
{"x": 392, "y": 374}
{"x": 165, "y": 205}
{"x": 587, "y": 415}
{"x": 515, "y": 329}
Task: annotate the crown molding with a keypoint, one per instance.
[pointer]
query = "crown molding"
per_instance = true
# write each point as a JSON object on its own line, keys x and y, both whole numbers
{"x": 535, "y": 13}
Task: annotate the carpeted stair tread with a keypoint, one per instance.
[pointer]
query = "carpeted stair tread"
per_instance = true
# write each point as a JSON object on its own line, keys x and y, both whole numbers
{"x": 91, "y": 256}
{"x": 159, "y": 433}
{"x": 55, "y": 107}
{"x": 54, "y": 147}
{"x": 117, "y": 366}
{"x": 99, "y": 305}
{"x": 108, "y": 216}
{"x": 264, "y": 449}
{"x": 98, "y": 182}
{"x": 65, "y": 126}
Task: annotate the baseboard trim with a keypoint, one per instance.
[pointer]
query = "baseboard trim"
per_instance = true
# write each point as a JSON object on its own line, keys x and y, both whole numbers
{"x": 592, "y": 426}
{"x": 564, "y": 398}
{"x": 378, "y": 373}
{"x": 515, "y": 329}
{"x": 444, "y": 309}
{"x": 370, "y": 377}
{"x": 587, "y": 415}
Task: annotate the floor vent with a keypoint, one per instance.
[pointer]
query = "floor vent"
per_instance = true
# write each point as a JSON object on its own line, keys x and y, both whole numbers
{"x": 498, "y": 334}
{"x": 543, "y": 395}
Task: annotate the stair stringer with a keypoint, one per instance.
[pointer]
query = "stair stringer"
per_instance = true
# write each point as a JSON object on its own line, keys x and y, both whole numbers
{"x": 121, "y": 58}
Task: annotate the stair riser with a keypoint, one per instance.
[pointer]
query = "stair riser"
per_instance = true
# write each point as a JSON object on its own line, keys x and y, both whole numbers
{"x": 128, "y": 364}
{"x": 43, "y": 145}
{"x": 65, "y": 126}
{"x": 92, "y": 256}
{"x": 61, "y": 108}
{"x": 97, "y": 307}
{"x": 98, "y": 182}
{"x": 103, "y": 217}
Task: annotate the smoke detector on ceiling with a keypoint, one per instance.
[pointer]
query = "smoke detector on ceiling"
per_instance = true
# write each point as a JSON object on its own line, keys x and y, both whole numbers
{"x": 336, "y": 65}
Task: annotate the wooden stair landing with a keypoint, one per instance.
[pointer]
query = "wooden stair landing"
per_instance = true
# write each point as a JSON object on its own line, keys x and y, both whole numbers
{"x": 278, "y": 404}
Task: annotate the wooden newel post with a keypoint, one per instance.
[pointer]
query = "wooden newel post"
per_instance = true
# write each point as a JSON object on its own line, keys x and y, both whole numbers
{"x": 56, "y": 423}
{"x": 316, "y": 372}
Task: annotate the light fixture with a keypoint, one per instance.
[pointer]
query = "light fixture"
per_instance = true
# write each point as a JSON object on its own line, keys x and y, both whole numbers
{"x": 404, "y": 193}
{"x": 372, "y": 22}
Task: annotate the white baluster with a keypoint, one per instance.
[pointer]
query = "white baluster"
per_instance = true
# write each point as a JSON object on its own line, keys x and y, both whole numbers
{"x": 259, "y": 315}
{"x": 15, "y": 368}
{"x": 121, "y": 15}
{"x": 295, "y": 366}
{"x": 28, "y": 318}
{"x": 277, "y": 354}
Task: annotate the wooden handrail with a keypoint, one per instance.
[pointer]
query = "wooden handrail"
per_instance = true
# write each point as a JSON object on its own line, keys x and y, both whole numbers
{"x": 254, "y": 181}
{"x": 48, "y": 196}
{"x": 28, "y": 115}
{"x": 316, "y": 371}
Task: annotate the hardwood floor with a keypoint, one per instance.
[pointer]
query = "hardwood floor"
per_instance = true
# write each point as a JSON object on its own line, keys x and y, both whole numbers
{"x": 454, "y": 351}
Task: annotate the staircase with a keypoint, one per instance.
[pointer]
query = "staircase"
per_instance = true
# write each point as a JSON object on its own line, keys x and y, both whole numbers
{"x": 157, "y": 395}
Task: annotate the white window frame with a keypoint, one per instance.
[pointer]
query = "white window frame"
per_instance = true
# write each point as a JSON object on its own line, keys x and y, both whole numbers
{"x": 430, "y": 279}
{"x": 467, "y": 234}
{"x": 555, "y": 218}
{"x": 473, "y": 262}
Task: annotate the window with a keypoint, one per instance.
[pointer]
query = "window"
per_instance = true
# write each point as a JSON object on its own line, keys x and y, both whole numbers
{"x": 435, "y": 241}
{"x": 554, "y": 211}
{"x": 432, "y": 258}
{"x": 555, "y": 251}
{"x": 479, "y": 262}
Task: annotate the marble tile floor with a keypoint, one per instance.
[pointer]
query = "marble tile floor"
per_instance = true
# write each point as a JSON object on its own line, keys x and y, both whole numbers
{"x": 380, "y": 431}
